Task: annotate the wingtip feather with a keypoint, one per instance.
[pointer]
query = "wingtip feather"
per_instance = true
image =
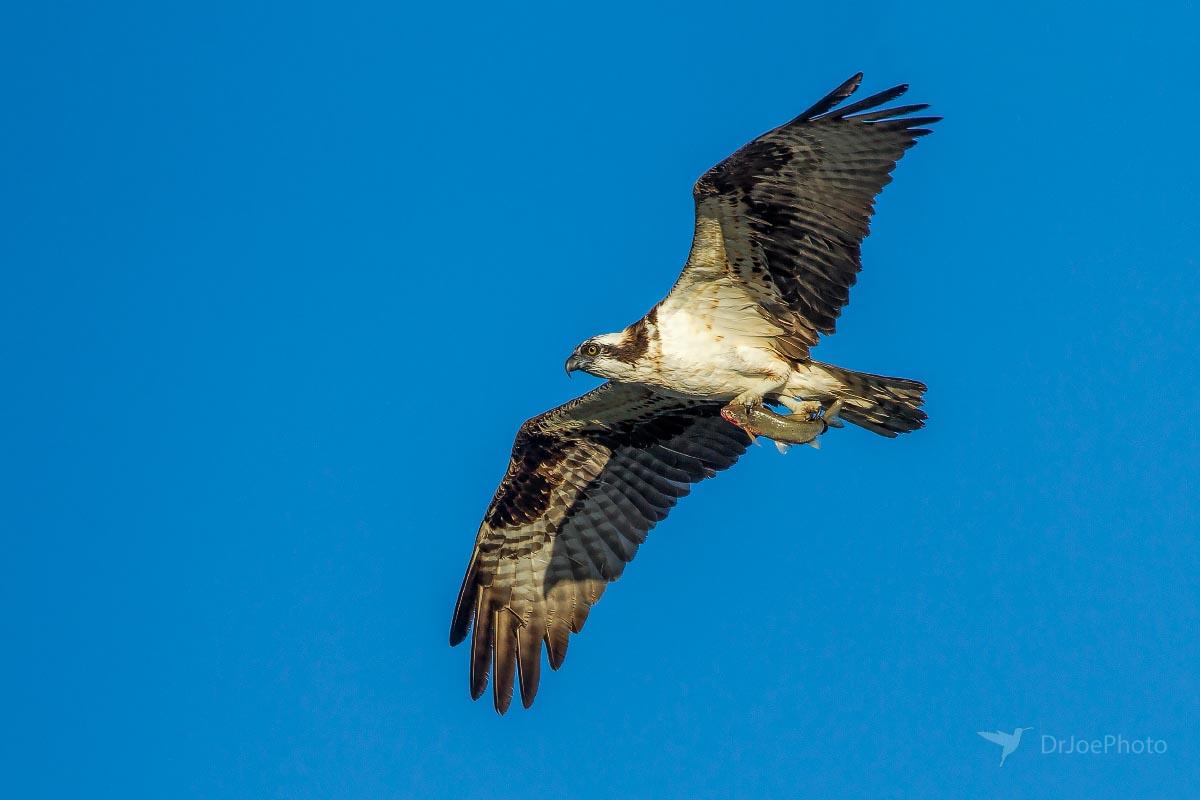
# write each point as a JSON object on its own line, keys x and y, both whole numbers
{"x": 877, "y": 99}
{"x": 464, "y": 606}
{"x": 529, "y": 665}
{"x": 504, "y": 659}
{"x": 557, "y": 638}
{"x": 847, "y": 88}
{"x": 481, "y": 650}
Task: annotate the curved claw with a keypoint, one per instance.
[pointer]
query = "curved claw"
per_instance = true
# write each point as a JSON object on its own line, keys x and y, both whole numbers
{"x": 831, "y": 415}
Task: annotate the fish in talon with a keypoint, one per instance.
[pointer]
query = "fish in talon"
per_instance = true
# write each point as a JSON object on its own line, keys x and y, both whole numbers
{"x": 789, "y": 429}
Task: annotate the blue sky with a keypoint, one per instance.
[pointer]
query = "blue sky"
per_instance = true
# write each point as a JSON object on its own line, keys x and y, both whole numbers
{"x": 282, "y": 280}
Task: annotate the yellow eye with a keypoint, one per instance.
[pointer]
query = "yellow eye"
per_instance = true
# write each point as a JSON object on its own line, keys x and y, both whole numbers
{"x": 591, "y": 350}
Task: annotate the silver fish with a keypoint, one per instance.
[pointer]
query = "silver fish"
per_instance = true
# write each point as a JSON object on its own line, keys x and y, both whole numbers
{"x": 758, "y": 420}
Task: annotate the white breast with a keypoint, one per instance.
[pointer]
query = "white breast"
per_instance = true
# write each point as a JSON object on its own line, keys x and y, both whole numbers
{"x": 700, "y": 356}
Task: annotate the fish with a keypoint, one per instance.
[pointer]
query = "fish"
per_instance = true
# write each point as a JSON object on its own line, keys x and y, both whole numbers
{"x": 783, "y": 429}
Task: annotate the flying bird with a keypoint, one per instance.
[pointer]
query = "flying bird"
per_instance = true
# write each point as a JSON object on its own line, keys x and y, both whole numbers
{"x": 776, "y": 248}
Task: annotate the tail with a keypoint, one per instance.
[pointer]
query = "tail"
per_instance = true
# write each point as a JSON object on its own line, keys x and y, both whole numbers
{"x": 886, "y": 406}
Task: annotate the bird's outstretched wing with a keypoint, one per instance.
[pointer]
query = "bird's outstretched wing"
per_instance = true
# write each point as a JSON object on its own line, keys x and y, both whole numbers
{"x": 995, "y": 737}
{"x": 586, "y": 481}
{"x": 779, "y": 224}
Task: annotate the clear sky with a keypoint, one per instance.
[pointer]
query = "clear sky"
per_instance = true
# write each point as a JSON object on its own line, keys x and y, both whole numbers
{"x": 282, "y": 280}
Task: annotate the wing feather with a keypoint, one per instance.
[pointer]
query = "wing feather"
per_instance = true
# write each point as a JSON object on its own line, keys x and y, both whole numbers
{"x": 585, "y": 483}
{"x": 529, "y": 659}
{"x": 504, "y": 661}
{"x": 780, "y": 223}
{"x": 481, "y": 647}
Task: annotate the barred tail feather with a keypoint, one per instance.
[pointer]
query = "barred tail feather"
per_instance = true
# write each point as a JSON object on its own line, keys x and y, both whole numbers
{"x": 883, "y": 405}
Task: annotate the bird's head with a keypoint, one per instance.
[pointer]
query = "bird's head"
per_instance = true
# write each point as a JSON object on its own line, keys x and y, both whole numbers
{"x": 605, "y": 356}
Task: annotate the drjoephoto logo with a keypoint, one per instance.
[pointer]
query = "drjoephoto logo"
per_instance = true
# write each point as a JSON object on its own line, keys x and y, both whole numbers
{"x": 1008, "y": 742}
{"x": 1109, "y": 744}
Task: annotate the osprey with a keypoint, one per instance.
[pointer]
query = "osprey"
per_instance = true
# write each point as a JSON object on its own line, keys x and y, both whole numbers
{"x": 779, "y": 225}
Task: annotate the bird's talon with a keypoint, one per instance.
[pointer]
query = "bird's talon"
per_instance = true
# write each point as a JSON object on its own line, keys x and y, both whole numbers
{"x": 831, "y": 415}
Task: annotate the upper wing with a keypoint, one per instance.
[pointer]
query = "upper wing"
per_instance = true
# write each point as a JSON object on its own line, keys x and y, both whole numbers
{"x": 779, "y": 224}
{"x": 994, "y": 738}
{"x": 585, "y": 483}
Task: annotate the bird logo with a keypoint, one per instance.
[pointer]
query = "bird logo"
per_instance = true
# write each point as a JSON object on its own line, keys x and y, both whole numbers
{"x": 1008, "y": 741}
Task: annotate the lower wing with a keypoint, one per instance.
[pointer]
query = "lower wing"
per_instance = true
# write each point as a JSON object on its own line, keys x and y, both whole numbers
{"x": 585, "y": 483}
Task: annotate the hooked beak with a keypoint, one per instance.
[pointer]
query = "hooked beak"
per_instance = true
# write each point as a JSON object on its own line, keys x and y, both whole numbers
{"x": 574, "y": 363}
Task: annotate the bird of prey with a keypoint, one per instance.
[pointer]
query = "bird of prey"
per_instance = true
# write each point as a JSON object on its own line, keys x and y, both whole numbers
{"x": 1009, "y": 742}
{"x": 779, "y": 225}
